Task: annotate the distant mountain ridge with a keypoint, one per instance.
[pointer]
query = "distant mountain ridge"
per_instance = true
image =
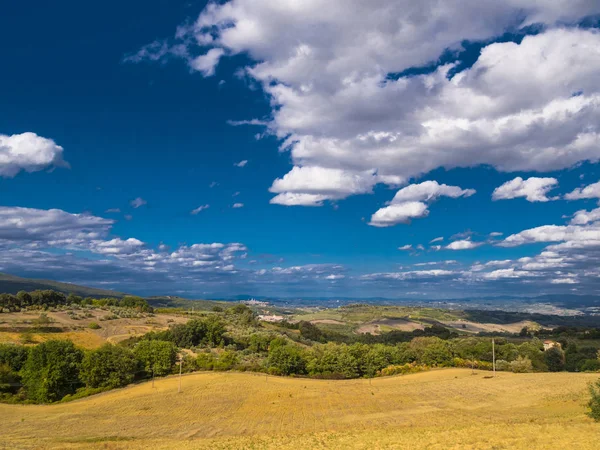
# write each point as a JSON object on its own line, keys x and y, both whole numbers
{"x": 11, "y": 284}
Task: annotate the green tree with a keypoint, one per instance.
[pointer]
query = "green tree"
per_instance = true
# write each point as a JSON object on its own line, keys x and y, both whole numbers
{"x": 594, "y": 403}
{"x": 109, "y": 366}
{"x": 287, "y": 359}
{"x": 310, "y": 331}
{"x": 9, "y": 380}
{"x": 157, "y": 357}
{"x": 333, "y": 360}
{"x": 14, "y": 356}
{"x": 52, "y": 371}
{"x": 555, "y": 359}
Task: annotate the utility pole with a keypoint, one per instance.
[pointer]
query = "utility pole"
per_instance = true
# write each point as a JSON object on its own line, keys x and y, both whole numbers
{"x": 180, "y": 367}
{"x": 494, "y": 356}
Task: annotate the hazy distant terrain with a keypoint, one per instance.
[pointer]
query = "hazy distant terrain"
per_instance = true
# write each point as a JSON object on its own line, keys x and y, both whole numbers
{"x": 11, "y": 284}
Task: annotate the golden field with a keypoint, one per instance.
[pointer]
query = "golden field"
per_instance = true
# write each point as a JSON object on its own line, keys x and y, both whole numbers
{"x": 440, "y": 409}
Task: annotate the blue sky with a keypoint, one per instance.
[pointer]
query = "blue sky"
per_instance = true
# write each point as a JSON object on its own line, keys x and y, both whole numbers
{"x": 366, "y": 128}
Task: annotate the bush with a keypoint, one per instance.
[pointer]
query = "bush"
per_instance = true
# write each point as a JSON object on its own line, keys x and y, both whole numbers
{"x": 521, "y": 365}
{"x": 403, "y": 369}
{"x": 475, "y": 364}
{"x": 94, "y": 326}
{"x": 108, "y": 367}
{"x": 594, "y": 403}
{"x": 52, "y": 371}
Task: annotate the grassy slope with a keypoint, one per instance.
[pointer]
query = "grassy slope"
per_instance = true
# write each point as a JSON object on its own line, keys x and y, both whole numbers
{"x": 438, "y": 410}
{"x": 11, "y": 284}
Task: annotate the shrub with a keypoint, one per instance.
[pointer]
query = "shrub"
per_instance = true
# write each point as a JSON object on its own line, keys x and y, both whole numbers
{"x": 475, "y": 364}
{"x": 403, "y": 369}
{"x": 594, "y": 403}
{"x": 521, "y": 365}
{"x": 94, "y": 326}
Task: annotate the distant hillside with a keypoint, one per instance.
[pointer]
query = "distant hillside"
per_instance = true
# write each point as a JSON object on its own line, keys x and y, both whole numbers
{"x": 11, "y": 284}
{"x": 178, "y": 302}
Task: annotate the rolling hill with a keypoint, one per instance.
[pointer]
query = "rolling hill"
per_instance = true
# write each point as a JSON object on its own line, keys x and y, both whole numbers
{"x": 441, "y": 409}
{"x": 11, "y": 284}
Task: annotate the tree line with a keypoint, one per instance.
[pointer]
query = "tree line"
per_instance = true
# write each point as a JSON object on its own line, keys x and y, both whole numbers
{"x": 44, "y": 299}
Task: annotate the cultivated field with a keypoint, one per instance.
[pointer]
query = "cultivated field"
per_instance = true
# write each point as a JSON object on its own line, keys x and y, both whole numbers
{"x": 435, "y": 410}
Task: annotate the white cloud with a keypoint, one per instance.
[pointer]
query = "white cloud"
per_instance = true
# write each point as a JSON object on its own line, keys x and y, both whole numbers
{"x": 28, "y": 152}
{"x": 573, "y": 236}
{"x": 408, "y": 275}
{"x": 408, "y": 203}
{"x": 238, "y": 205}
{"x": 199, "y": 209}
{"x": 405, "y": 247}
{"x": 241, "y": 163}
{"x": 437, "y": 239}
{"x": 29, "y": 224}
{"x": 495, "y": 234}
{"x": 310, "y": 186}
{"x": 326, "y": 66}
{"x": 208, "y": 62}
{"x": 113, "y": 210}
{"x": 137, "y": 202}
{"x": 401, "y": 213}
{"x": 505, "y": 273}
{"x": 590, "y": 191}
{"x": 429, "y": 191}
{"x": 464, "y": 244}
{"x": 291, "y": 199}
{"x": 583, "y": 217}
{"x": 564, "y": 281}
{"x": 534, "y": 189}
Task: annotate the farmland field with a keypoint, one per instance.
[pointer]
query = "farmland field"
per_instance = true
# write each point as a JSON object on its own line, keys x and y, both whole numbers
{"x": 440, "y": 409}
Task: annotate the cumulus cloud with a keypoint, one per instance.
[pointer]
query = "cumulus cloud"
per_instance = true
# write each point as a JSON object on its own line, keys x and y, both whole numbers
{"x": 401, "y": 213}
{"x": 534, "y": 189}
{"x": 437, "y": 239}
{"x": 310, "y": 186}
{"x": 53, "y": 225}
{"x": 241, "y": 163}
{"x": 238, "y": 205}
{"x": 405, "y": 247}
{"x": 409, "y": 202}
{"x": 464, "y": 244}
{"x": 137, "y": 202}
{"x": 570, "y": 235}
{"x": 583, "y": 217}
{"x": 199, "y": 209}
{"x": 333, "y": 72}
{"x": 590, "y": 191}
{"x": 28, "y": 152}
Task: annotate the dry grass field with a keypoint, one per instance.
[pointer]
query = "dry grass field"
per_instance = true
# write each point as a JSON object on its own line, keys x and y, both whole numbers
{"x": 444, "y": 409}
{"x": 78, "y": 331}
